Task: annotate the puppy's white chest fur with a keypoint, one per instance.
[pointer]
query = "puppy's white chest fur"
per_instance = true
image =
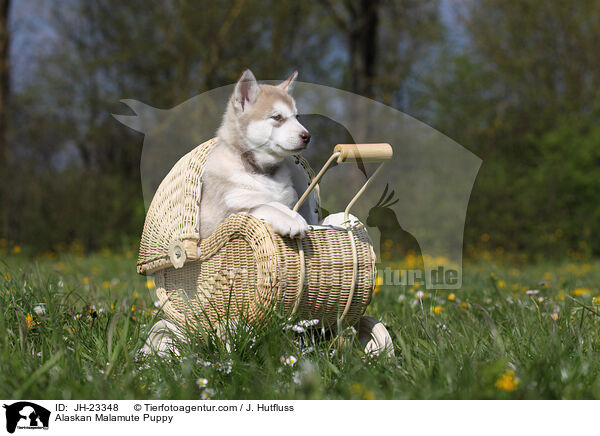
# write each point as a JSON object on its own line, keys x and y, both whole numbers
{"x": 270, "y": 188}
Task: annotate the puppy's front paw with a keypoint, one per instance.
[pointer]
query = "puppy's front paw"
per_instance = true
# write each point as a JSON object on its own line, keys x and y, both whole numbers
{"x": 285, "y": 223}
{"x": 298, "y": 226}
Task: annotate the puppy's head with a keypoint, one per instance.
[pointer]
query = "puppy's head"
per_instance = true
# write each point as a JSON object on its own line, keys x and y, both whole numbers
{"x": 266, "y": 117}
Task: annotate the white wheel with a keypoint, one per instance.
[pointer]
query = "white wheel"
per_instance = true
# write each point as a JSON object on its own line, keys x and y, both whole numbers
{"x": 374, "y": 337}
{"x": 162, "y": 339}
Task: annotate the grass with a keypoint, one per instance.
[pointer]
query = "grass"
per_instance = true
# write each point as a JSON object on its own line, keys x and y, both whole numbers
{"x": 72, "y": 326}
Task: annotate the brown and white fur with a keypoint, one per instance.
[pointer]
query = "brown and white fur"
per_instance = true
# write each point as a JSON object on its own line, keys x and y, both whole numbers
{"x": 251, "y": 169}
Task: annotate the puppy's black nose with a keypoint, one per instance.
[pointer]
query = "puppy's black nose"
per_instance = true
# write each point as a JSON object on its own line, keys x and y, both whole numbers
{"x": 305, "y": 136}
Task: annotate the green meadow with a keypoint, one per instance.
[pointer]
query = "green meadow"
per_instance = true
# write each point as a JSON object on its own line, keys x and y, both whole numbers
{"x": 72, "y": 325}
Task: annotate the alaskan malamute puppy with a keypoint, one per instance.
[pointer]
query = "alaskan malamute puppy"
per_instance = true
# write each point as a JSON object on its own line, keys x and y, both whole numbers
{"x": 251, "y": 169}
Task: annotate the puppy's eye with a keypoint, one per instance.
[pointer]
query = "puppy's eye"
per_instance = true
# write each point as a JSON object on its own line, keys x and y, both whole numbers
{"x": 277, "y": 117}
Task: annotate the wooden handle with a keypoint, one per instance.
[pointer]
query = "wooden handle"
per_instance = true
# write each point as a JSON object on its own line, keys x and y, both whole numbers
{"x": 364, "y": 152}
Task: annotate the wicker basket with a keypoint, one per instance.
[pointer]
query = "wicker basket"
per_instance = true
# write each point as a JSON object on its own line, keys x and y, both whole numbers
{"x": 244, "y": 268}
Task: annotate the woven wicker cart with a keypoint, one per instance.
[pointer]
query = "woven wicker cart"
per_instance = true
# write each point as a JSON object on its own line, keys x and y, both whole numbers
{"x": 245, "y": 269}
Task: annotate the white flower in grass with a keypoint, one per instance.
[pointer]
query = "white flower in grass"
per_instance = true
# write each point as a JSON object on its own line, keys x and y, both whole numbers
{"x": 532, "y": 291}
{"x": 419, "y": 294}
{"x": 40, "y": 309}
{"x": 301, "y": 326}
{"x": 296, "y": 377}
{"x": 202, "y": 382}
{"x": 207, "y": 394}
{"x": 307, "y": 350}
{"x": 308, "y": 322}
{"x": 288, "y": 360}
{"x": 224, "y": 367}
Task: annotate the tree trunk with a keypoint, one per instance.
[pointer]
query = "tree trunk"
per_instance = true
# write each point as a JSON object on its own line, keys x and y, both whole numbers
{"x": 362, "y": 45}
{"x": 4, "y": 95}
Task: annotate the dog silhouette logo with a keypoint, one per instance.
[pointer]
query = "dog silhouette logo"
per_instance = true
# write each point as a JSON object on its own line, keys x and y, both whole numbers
{"x": 26, "y": 415}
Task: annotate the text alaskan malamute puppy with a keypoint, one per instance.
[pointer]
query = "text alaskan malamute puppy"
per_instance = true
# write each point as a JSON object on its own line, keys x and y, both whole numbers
{"x": 251, "y": 169}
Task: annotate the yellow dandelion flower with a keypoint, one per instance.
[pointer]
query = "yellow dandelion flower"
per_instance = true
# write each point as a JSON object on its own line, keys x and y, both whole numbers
{"x": 29, "y": 320}
{"x": 438, "y": 309}
{"x": 7, "y": 276}
{"x": 464, "y": 304}
{"x": 451, "y": 297}
{"x": 507, "y": 381}
{"x": 356, "y": 388}
{"x": 368, "y": 395}
{"x": 516, "y": 287}
{"x": 132, "y": 308}
{"x": 485, "y": 237}
{"x": 106, "y": 284}
{"x": 501, "y": 284}
{"x": 150, "y": 284}
{"x": 136, "y": 295}
{"x": 376, "y": 290}
{"x": 86, "y": 280}
{"x": 580, "y": 292}
{"x": 16, "y": 249}
{"x": 596, "y": 300}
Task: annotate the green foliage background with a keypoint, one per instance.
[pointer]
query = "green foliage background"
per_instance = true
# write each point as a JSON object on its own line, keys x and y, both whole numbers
{"x": 514, "y": 81}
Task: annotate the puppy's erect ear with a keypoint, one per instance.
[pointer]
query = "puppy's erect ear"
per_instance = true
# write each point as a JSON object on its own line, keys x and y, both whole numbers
{"x": 246, "y": 90}
{"x": 288, "y": 84}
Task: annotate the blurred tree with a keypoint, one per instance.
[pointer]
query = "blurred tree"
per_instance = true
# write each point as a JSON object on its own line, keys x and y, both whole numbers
{"x": 385, "y": 40}
{"x": 107, "y": 50}
{"x": 513, "y": 80}
{"x": 4, "y": 101}
{"x": 527, "y": 67}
